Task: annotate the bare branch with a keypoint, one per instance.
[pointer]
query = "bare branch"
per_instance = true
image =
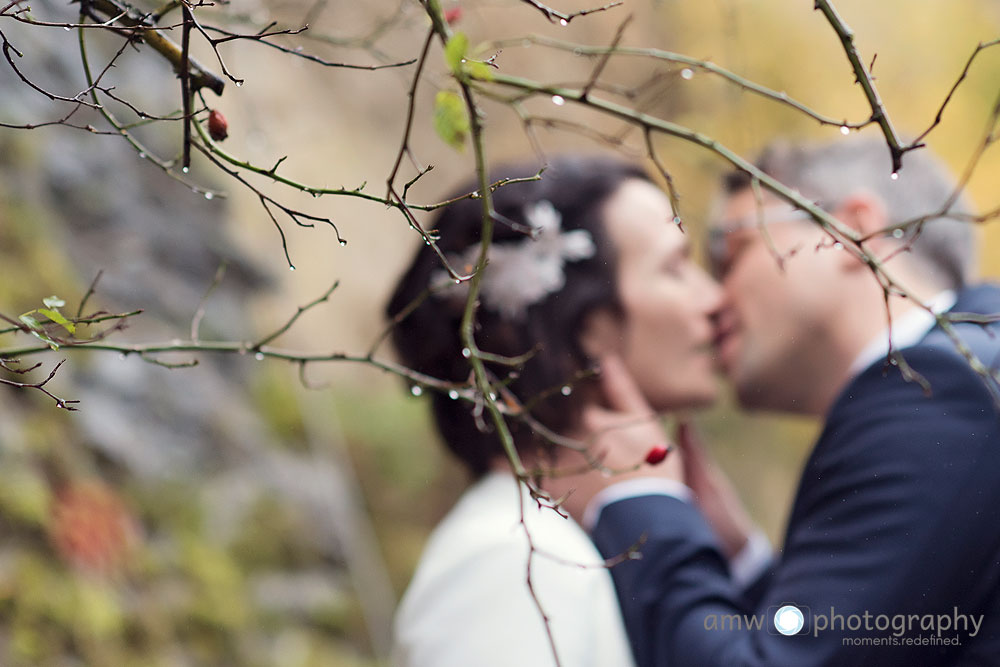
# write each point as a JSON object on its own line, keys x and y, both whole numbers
{"x": 143, "y": 151}
{"x": 556, "y": 16}
{"x": 864, "y": 78}
{"x": 40, "y": 386}
{"x": 199, "y": 312}
{"x": 261, "y": 38}
{"x": 298, "y": 313}
{"x": 780, "y": 97}
{"x": 961, "y": 77}
{"x": 602, "y": 63}
{"x": 185, "y": 76}
{"x": 151, "y": 35}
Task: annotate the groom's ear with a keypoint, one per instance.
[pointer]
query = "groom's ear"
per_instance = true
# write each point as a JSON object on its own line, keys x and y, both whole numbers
{"x": 866, "y": 214}
{"x": 601, "y": 334}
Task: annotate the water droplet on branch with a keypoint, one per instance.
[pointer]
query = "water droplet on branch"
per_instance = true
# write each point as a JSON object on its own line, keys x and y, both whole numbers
{"x": 687, "y": 73}
{"x": 416, "y": 390}
{"x": 566, "y": 390}
{"x": 558, "y": 100}
{"x": 844, "y": 130}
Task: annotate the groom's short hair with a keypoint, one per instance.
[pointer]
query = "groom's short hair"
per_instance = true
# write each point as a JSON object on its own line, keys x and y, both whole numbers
{"x": 829, "y": 173}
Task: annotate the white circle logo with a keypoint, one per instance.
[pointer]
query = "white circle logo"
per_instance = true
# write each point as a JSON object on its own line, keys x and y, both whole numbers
{"x": 788, "y": 620}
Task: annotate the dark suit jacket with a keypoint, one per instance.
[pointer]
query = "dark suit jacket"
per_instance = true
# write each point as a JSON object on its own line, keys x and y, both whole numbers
{"x": 897, "y": 516}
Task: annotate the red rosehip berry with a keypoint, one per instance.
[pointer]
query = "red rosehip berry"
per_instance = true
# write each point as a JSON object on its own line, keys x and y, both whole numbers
{"x": 656, "y": 454}
{"x": 453, "y": 15}
{"x": 218, "y": 128}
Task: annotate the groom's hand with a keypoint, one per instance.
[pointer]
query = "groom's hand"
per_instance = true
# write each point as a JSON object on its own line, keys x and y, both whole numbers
{"x": 620, "y": 437}
{"x": 714, "y": 493}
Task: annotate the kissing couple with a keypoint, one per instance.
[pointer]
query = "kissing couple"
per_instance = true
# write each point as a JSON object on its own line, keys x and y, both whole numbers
{"x": 891, "y": 555}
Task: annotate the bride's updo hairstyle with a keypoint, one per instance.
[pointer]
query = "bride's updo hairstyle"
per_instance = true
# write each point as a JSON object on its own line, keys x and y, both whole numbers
{"x": 536, "y": 294}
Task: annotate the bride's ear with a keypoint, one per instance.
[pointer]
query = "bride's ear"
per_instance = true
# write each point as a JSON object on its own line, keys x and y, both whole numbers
{"x": 601, "y": 334}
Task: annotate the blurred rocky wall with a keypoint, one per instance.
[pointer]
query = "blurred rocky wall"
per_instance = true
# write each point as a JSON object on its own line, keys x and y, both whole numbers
{"x": 166, "y": 521}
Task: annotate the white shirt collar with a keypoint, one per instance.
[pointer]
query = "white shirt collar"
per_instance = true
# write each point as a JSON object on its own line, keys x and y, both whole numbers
{"x": 907, "y": 331}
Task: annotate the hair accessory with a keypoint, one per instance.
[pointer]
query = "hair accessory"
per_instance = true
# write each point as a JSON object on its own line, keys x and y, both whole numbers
{"x": 523, "y": 273}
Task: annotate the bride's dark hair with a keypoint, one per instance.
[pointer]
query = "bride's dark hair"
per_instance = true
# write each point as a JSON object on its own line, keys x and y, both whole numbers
{"x": 428, "y": 339}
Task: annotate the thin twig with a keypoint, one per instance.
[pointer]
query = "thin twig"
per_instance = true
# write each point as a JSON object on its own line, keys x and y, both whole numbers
{"x": 199, "y": 312}
{"x": 961, "y": 77}
{"x": 780, "y": 97}
{"x": 260, "y": 38}
{"x": 40, "y": 386}
{"x": 298, "y": 313}
{"x": 90, "y": 292}
{"x": 672, "y": 192}
{"x": 562, "y": 18}
{"x": 602, "y": 63}
{"x": 864, "y": 78}
{"x": 411, "y": 95}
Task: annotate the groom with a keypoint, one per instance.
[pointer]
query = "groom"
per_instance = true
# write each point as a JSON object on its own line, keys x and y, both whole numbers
{"x": 892, "y": 550}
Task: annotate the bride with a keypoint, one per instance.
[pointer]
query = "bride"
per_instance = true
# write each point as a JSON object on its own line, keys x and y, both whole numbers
{"x": 605, "y": 271}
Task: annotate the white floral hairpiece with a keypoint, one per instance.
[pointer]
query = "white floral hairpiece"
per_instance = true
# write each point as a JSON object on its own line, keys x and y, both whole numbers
{"x": 523, "y": 273}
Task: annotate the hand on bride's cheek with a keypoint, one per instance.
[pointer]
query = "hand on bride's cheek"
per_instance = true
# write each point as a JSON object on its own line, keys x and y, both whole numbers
{"x": 616, "y": 440}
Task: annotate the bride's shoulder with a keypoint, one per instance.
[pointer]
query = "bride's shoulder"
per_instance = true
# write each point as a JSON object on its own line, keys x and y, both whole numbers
{"x": 492, "y": 523}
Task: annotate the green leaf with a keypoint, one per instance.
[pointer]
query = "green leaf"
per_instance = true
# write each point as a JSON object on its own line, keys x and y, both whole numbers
{"x": 31, "y": 320}
{"x": 479, "y": 70}
{"x": 58, "y": 318}
{"x": 454, "y": 52}
{"x": 36, "y": 329}
{"x": 53, "y": 302}
{"x": 450, "y": 119}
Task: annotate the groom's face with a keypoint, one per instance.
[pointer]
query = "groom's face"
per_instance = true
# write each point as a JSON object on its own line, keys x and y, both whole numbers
{"x": 774, "y": 270}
